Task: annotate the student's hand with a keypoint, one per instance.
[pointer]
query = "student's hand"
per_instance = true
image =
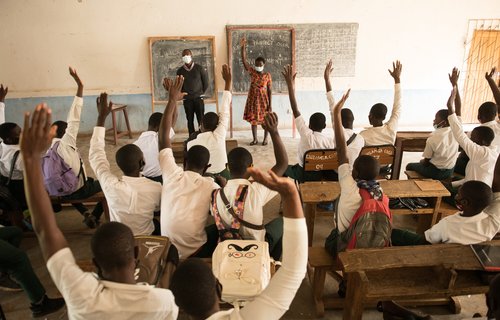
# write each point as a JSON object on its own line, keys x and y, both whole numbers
{"x": 175, "y": 88}
{"x": 72, "y": 72}
{"x": 289, "y": 74}
{"x": 397, "y": 67}
{"x": 226, "y": 75}
{"x": 166, "y": 84}
{"x": 341, "y": 102}
{"x": 283, "y": 185}
{"x": 451, "y": 99}
{"x": 489, "y": 76}
{"x": 454, "y": 77}
{"x": 37, "y": 136}
{"x": 243, "y": 42}
{"x": 271, "y": 123}
{"x": 103, "y": 108}
{"x": 3, "y": 92}
{"x": 328, "y": 70}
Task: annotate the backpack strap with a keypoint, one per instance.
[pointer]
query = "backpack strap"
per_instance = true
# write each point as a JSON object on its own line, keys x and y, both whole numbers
{"x": 238, "y": 200}
{"x": 12, "y": 166}
{"x": 351, "y": 139}
{"x": 221, "y": 225}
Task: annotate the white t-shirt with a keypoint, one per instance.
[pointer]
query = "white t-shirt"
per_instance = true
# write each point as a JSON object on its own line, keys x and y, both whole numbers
{"x": 87, "y": 297}
{"x": 441, "y": 148}
{"x": 7, "y": 152}
{"x": 350, "y": 199}
{"x": 463, "y": 230}
{"x": 310, "y": 139}
{"x": 185, "y": 205}
{"x": 257, "y": 196}
{"x": 148, "y": 143}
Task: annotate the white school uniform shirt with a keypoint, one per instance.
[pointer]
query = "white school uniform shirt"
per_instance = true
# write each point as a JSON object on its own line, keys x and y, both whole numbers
{"x": 350, "y": 199}
{"x": 463, "y": 230}
{"x": 275, "y": 300}
{"x": 67, "y": 149}
{"x": 495, "y": 126}
{"x": 215, "y": 141}
{"x": 441, "y": 148}
{"x": 148, "y": 143}
{"x": 257, "y": 196}
{"x": 386, "y": 134}
{"x": 482, "y": 158}
{"x": 493, "y": 210}
{"x": 2, "y": 112}
{"x": 7, "y": 152}
{"x": 87, "y": 297}
{"x": 185, "y": 202}
{"x": 131, "y": 200}
{"x": 310, "y": 139}
{"x": 354, "y": 148}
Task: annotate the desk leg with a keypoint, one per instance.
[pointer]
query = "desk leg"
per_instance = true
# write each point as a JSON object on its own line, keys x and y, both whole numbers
{"x": 436, "y": 211}
{"x": 310, "y": 213}
{"x": 318, "y": 285}
{"x": 398, "y": 159}
{"x": 357, "y": 283}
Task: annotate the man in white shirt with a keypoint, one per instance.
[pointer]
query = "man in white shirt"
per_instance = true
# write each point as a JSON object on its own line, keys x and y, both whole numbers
{"x": 148, "y": 142}
{"x": 114, "y": 294}
{"x": 132, "y": 199}
{"x": 186, "y": 194}
{"x": 202, "y": 302}
{"x": 213, "y": 137}
{"x": 472, "y": 224}
{"x": 380, "y": 133}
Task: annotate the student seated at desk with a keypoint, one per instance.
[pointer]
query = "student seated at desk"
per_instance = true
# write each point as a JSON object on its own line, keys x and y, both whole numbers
{"x": 148, "y": 143}
{"x": 132, "y": 199}
{"x": 385, "y": 133}
{"x": 311, "y": 136}
{"x": 11, "y": 163}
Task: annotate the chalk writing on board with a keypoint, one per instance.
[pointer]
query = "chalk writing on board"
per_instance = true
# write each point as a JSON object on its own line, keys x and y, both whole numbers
{"x": 166, "y": 59}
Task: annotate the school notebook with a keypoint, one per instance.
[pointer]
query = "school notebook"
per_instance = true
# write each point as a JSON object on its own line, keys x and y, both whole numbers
{"x": 488, "y": 255}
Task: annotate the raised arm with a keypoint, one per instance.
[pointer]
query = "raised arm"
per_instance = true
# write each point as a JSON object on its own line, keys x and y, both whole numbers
{"x": 289, "y": 74}
{"x": 222, "y": 127}
{"x": 327, "y": 74}
{"x": 340, "y": 143}
{"x": 35, "y": 140}
{"x": 271, "y": 125}
{"x": 174, "y": 94}
{"x": 454, "y": 83}
{"x": 397, "y": 67}
{"x": 243, "y": 44}
{"x": 74, "y": 113}
{"x": 494, "y": 87}
{"x": 79, "y": 90}
{"x": 3, "y": 94}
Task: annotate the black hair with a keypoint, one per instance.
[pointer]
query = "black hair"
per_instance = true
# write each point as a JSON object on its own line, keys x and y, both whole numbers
{"x": 487, "y": 111}
{"x": 113, "y": 246}
{"x": 210, "y": 121}
{"x": 379, "y": 111}
{"x": 261, "y": 59}
{"x": 317, "y": 121}
{"x": 154, "y": 121}
{"x": 366, "y": 167}
{"x": 195, "y": 288}
{"x": 61, "y": 128}
{"x": 443, "y": 114}
{"x": 128, "y": 158}
{"x": 485, "y": 134}
{"x": 6, "y": 132}
{"x": 478, "y": 193}
{"x": 197, "y": 158}
{"x": 238, "y": 161}
{"x": 347, "y": 118}
{"x": 185, "y": 50}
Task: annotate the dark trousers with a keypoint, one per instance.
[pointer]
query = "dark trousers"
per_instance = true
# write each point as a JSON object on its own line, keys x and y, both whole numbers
{"x": 16, "y": 188}
{"x": 157, "y": 230}
{"x": 15, "y": 262}
{"x": 157, "y": 179}
{"x": 194, "y": 107}
{"x": 90, "y": 188}
{"x": 430, "y": 171}
{"x": 461, "y": 163}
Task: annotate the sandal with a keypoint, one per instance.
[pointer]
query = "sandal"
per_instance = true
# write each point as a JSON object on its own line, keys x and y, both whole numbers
{"x": 254, "y": 142}
{"x": 264, "y": 143}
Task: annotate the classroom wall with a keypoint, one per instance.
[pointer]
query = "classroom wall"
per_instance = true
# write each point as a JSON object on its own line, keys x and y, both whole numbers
{"x": 107, "y": 42}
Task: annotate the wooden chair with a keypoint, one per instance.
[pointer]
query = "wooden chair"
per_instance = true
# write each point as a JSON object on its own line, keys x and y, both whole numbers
{"x": 116, "y": 134}
{"x": 322, "y": 161}
{"x": 385, "y": 155}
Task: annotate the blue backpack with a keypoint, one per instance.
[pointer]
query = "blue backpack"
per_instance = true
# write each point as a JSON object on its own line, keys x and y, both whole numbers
{"x": 58, "y": 177}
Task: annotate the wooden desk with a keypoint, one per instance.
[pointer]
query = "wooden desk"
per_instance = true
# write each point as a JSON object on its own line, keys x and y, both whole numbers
{"x": 407, "y": 141}
{"x": 313, "y": 193}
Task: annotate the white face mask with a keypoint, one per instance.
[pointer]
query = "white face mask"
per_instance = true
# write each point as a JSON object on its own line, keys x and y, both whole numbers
{"x": 259, "y": 69}
{"x": 437, "y": 126}
{"x": 187, "y": 59}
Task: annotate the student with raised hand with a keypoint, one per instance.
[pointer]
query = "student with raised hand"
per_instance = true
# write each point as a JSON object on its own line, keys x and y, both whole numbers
{"x": 198, "y": 293}
{"x": 495, "y": 89}
{"x": 256, "y": 194}
{"x": 65, "y": 145}
{"x": 213, "y": 131}
{"x": 487, "y": 113}
{"x": 311, "y": 136}
{"x": 385, "y": 133}
{"x": 114, "y": 294}
{"x": 186, "y": 194}
{"x": 132, "y": 198}
{"x": 355, "y": 142}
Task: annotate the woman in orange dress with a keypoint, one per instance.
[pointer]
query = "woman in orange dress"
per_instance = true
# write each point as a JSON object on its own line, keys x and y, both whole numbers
{"x": 259, "y": 95}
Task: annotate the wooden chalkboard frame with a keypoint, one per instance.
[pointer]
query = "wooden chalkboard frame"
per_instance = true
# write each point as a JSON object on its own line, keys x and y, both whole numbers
{"x": 151, "y": 40}
{"x": 229, "y": 33}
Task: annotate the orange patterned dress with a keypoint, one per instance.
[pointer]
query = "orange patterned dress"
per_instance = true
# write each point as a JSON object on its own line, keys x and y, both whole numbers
{"x": 258, "y": 99}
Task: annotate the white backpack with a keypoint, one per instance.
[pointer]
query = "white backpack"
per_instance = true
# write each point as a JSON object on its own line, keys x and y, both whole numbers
{"x": 243, "y": 267}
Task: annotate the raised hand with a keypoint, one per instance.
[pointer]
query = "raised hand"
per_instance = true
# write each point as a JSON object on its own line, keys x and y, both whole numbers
{"x": 103, "y": 108}
{"x": 397, "y": 67}
{"x": 226, "y": 75}
{"x": 175, "y": 88}
{"x": 451, "y": 99}
{"x": 491, "y": 74}
{"x": 327, "y": 74}
{"x": 282, "y": 185}
{"x": 271, "y": 123}
{"x": 243, "y": 42}
{"x": 289, "y": 74}
{"x": 79, "y": 91}
{"x": 37, "y": 136}
{"x": 341, "y": 102}
{"x": 454, "y": 77}
{"x": 3, "y": 92}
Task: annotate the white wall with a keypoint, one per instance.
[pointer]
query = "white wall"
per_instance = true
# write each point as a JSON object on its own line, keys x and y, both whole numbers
{"x": 107, "y": 40}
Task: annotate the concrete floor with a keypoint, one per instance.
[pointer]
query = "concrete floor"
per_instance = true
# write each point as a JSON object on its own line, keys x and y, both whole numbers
{"x": 16, "y": 305}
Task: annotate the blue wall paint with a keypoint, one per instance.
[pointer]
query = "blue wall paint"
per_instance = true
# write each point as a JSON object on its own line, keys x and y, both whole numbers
{"x": 419, "y": 107}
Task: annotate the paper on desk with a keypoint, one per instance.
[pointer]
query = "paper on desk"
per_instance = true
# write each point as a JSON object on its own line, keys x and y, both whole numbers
{"x": 429, "y": 185}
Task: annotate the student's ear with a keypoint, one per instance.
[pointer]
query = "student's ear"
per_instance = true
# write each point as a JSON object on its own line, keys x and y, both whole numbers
{"x": 206, "y": 168}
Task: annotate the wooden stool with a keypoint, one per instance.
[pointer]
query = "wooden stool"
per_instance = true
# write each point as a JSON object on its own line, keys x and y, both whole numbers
{"x": 114, "y": 110}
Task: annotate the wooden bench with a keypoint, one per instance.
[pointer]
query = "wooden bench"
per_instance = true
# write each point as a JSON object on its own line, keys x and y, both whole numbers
{"x": 178, "y": 149}
{"x": 96, "y": 198}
